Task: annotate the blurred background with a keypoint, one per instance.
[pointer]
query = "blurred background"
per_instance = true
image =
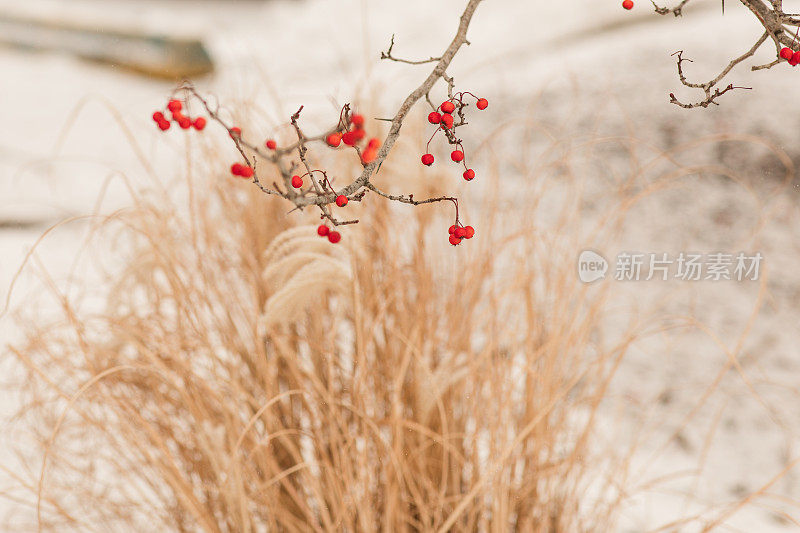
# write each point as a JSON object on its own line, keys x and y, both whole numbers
{"x": 81, "y": 78}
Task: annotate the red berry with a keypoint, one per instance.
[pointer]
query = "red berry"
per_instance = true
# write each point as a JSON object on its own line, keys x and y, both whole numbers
{"x": 357, "y": 120}
{"x": 199, "y": 123}
{"x": 482, "y": 104}
{"x": 158, "y": 116}
{"x": 627, "y": 4}
{"x": 349, "y": 138}
{"x": 297, "y": 182}
{"x": 786, "y": 53}
{"x": 448, "y": 107}
{"x": 235, "y": 132}
{"x": 460, "y": 232}
{"x": 434, "y": 118}
{"x": 455, "y": 241}
{"x": 271, "y": 144}
{"x": 334, "y": 139}
{"x": 341, "y": 200}
{"x": 427, "y": 159}
{"x": 185, "y": 123}
{"x": 469, "y": 231}
{"x": 359, "y": 134}
{"x": 447, "y": 121}
{"x": 247, "y": 172}
{"x": 457, "y": 156}
{"x": 323, "y": 230}
{"x": 334, "y": 237}
{"x": 236, "y": 169}
{"x": 374, "y": 143}
{"x": 795, "y": 58}
{"x": 164, "y": 125}
{"x": 369, "y": 155}
{"x": 452, "y": 229}
{"x": 174, "y": 106}
{"x": 177, "y": 116}
{"x": 469, "y": 174}
{"x": 793, "y": 62}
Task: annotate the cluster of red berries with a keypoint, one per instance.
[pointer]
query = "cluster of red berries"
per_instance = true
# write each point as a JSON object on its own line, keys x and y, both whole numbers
{"x": 325, "y": 231}
{"x": 457, "y": 233}
{"x": 791, "y": 56}
{"x": 243, "y": 171}
{"x": 627, "y": 4}
{"x": 445, "y": 121}
{"x": 175, "y": 107}
{"x": 442, "y": 117}
{"x": 351, "y": 132}
{"x": 353, "y": 136}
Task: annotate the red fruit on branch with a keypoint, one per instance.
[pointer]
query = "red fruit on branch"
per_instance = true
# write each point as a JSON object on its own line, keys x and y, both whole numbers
{"x": 357, "y": 120}
{"x": 469, "y": 232}
{"x": 349, "y": 138}
{"x": 174, "y": 106}
{"x": 369, "y": 155}
{"x": 795, "y": 59}
{"x": 447, "y": 121}
{"x": 786, "y": 53}
{"x": 627, "y": 4}
{"x": 334, "y": 139}
{"x": 345, "y": 127}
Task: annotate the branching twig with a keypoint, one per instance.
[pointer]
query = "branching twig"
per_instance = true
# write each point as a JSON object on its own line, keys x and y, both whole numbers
{"x": 388, "y": 55}
{"x": 677, "y": 10}
{"x": 779, "y": 27}
{"x": 709, "y": 88}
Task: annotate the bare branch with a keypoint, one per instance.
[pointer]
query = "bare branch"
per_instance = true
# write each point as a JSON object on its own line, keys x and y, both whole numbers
{"x": 388, "y": 55}
{"x": 779, "y": 27}
{"x": 322, "y": 193}
{"x": 709, "y": 88}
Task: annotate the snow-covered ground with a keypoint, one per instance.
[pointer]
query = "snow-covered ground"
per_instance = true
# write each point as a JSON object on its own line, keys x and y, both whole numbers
{"x": 580, "y": 70}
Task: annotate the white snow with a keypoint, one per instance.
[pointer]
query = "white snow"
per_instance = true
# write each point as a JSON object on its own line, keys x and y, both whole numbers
{"x": 582, "y": 69}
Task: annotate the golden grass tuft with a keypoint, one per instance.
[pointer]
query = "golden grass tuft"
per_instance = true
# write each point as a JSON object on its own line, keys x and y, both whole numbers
{"x": 244, "y": 375}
